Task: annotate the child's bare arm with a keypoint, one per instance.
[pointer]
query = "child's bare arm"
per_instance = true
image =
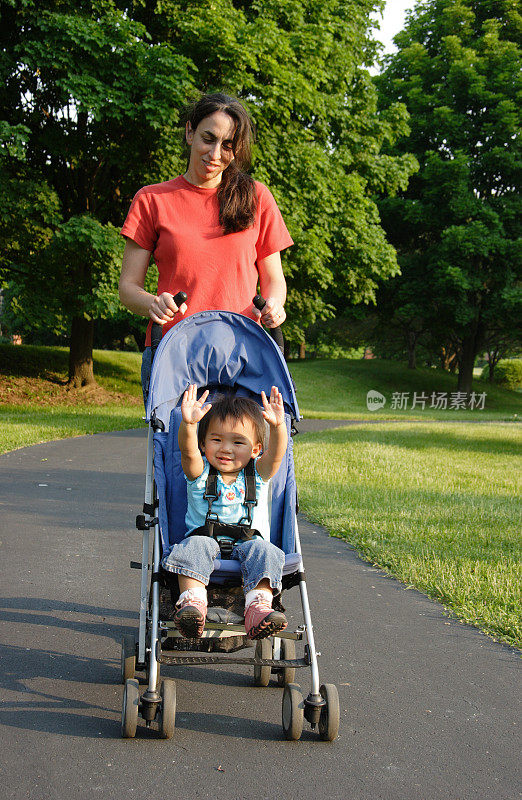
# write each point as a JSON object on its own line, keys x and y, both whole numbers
{"x": 192, "y": 412}
{"x": 274, "y": 413}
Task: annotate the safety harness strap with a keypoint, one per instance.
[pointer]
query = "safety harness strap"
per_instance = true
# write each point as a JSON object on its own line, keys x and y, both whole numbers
{"x": 250, "y": 501}
{"x": 225, "y": 534}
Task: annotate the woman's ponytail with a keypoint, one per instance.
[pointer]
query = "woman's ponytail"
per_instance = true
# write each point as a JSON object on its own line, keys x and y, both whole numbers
{"x": 237, "y": 200}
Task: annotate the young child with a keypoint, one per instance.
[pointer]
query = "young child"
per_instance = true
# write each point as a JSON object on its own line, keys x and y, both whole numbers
{"x": 227, "y": 435}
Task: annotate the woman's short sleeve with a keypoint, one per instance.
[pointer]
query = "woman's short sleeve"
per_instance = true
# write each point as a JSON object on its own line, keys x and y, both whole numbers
{"x": 273, "y": 233}
{"x": 140, "y": 224}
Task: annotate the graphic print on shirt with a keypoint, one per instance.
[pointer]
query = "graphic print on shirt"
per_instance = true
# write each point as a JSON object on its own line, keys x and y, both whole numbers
{"x": 234, "y": 493}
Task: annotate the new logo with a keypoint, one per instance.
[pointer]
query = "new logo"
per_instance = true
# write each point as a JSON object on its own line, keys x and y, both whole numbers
{"x": 374, "y": 400}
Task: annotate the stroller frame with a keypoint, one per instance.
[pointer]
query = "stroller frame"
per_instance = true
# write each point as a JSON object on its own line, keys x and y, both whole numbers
{"x": 275, "y": 654}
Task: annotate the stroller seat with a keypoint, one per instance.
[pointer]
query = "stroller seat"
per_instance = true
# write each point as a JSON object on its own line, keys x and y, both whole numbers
{"x": 172, "y": 501}
{"x": 229, "y": 568}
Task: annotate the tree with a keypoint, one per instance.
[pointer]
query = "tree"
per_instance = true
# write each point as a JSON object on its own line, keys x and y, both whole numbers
{"x": 320, "y": 133}
{"x": 78, "y": 77}
{"x": 457, "y": 69}
{"x": 86, "y": 103}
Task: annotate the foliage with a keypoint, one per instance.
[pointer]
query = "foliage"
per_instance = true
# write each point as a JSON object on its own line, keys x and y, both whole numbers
{"x": 343, "y": 336}
{"x": 86, "y": 100}
{"x": 75, "y": 274}
{"x": 89, "y": 106}
{"x": 324, "y": 162}
{"x": 508, "y": 373}
{"x": 457, "y": 227}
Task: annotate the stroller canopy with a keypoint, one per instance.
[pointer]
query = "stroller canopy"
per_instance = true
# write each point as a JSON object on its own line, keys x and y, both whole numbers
{"x": 214, "y": 348}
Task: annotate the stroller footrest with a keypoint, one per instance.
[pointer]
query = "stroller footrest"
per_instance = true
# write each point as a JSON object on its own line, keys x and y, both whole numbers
{"x": 225, "y": 659}
{"x": 222, "y": 626}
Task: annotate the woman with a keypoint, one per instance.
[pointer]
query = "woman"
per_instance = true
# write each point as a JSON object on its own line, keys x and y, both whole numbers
{"x": 214, "y": 232}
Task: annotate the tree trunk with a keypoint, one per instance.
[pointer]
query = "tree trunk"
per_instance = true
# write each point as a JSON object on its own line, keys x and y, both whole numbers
{"x": 302, "y": 350}
{"x": 470, "y": 347}
{"x": 80, "y": 353}
{"x": 412, "y": 344}
{"x": 493, "y": 359}
{"x": 448, "y": 358}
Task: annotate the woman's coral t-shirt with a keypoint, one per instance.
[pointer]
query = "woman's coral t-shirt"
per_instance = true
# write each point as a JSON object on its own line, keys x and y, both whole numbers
{"x": 179, "y": 224}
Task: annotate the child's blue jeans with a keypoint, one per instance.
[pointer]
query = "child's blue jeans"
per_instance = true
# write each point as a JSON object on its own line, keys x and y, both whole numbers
{"x": 194, "y": 557}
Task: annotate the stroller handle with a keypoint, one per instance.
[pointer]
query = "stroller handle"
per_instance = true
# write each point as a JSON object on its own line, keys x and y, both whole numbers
{"x": 275, "y": 333}
{"x": 156, "y": 332}
{"x": 259, "y": 302}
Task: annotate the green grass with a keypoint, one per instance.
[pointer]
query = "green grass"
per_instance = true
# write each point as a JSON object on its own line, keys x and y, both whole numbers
{"x": 24, "y": 425}
{"x": 118, "y": 371}
{"x": 49, "y": 413}
{"x": 435, "y": 505}
{"x": 114, "y": 370}
{"x": 337, "y": 389}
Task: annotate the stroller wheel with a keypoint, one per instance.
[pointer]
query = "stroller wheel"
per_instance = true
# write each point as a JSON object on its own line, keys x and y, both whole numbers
{"x": 262, "y": 674}
{"x": 286, "y": 675}
{"x": 330, "y": 713}
{"x": 293, "y": 712}
{"x": 129, "y": 711}
{"x": 167, "y": 712}
{"x": 128, "y": 658}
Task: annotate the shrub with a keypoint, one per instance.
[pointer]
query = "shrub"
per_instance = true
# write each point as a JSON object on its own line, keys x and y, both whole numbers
{"x": 508, "y": 373}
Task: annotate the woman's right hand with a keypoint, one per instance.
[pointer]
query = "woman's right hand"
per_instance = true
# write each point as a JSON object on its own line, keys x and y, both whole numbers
{"x": 163, "y": 308}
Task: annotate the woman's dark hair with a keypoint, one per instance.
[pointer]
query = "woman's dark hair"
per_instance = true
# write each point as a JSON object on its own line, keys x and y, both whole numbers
{"x": 231, "y": 407}
{"x": 237, "y": 196}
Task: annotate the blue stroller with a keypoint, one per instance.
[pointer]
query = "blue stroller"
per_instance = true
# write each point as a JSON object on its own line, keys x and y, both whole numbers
{"x": 223, "y": 352}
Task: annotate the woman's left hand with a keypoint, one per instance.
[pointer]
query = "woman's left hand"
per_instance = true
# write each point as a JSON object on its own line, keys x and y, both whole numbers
{"x": 273, "y": 313}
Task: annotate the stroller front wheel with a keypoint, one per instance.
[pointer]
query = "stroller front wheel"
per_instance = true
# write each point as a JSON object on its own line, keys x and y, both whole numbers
{"x": 130, "y": 708}
{"x": 330, "y": 713}
{"x": 167, "y": 711}
{"x": 292, "y": 712}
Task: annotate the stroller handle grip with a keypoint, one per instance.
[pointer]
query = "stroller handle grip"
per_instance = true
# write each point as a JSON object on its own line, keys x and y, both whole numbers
{"x": 156, "y": 332}
{"x": 276, "y": 333}
{"x": 181, "y": 297}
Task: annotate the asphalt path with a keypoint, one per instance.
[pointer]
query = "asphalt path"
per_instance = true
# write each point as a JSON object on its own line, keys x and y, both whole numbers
{"x": 429, "y": 706}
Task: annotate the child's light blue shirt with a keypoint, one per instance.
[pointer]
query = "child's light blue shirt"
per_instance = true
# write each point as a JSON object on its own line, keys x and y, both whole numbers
{"x": 229, "y": 504}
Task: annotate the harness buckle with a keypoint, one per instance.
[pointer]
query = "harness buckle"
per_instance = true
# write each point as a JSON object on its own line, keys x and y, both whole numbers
{"x": 226, "y": 545}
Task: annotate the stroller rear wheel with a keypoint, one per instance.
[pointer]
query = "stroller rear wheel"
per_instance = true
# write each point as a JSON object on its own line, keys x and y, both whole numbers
{"x": 286, "y": 675}
{"x": 262, "y": 674}
{"x": 330, "y": 713}
{"x": 167, "y": 711}
{"x": 128, "y": 658}
{"x": 292, "y": 712}
{"x": 130, "y": 708}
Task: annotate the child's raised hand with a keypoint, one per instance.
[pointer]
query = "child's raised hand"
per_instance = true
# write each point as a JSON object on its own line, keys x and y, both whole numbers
{"x": 192, "y": 410}
{"x": 274, "y": 410}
